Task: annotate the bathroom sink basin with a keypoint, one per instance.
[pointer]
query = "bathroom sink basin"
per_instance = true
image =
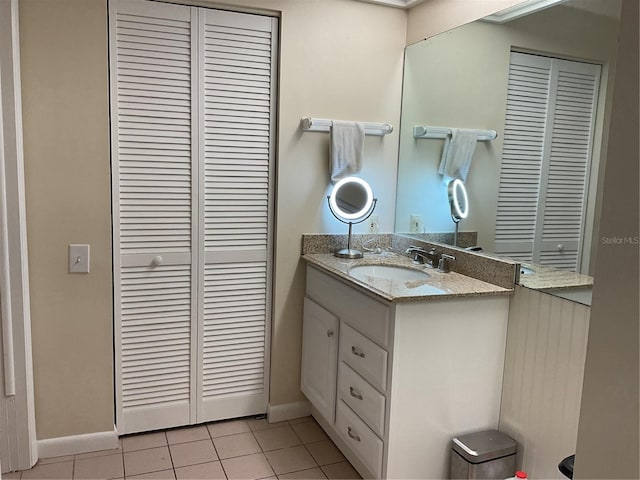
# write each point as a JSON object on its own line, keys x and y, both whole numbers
{"x": 389, "y": 272}
{"x": 396, "y": 279}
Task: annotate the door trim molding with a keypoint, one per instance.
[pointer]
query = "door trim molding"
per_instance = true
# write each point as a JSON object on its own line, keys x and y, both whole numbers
{"x": 17, "y": 401}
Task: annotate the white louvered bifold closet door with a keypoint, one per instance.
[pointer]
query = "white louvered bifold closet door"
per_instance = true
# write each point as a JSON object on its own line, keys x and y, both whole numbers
{"x": 238, "y": 68}
{"x": 546, "y": 159}
{"x": 191, "y": 207}
{"x": 153, "y": 158}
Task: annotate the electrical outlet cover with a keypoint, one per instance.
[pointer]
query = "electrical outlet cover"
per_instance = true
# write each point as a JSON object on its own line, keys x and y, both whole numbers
{"x": 372, "y": 223}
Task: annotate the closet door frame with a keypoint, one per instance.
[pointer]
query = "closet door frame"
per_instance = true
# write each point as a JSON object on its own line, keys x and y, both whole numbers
{"x": 18, "y": 444}
{"x": 195, "y": 411}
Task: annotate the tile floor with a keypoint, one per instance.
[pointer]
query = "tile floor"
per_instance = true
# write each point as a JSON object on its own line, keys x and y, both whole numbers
{"x": 237, "y": 449}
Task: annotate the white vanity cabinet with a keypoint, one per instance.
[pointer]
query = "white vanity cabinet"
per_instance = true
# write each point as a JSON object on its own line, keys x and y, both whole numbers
{"x": 395, "y": 381}
{"x": 319, "y": 358}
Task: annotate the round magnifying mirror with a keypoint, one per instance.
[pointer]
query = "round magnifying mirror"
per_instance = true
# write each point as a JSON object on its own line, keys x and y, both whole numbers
{"x": 458, "y": 200}
{"x": 351, "y": 201}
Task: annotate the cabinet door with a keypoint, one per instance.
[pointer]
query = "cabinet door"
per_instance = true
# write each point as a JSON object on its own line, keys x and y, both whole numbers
{"x": 320, "y": 358}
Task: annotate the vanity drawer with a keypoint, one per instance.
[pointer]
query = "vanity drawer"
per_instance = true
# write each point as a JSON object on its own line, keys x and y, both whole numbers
{"x": 360, "y": 438}
{"x": 360, "y": 311}
{"x": 364, "y": 356}
{"x": 365, "y": 400}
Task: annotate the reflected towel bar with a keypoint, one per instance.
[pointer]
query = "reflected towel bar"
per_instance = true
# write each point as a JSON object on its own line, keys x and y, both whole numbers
{"x": 324, "y": 125}
{"x": 424, "y": 131}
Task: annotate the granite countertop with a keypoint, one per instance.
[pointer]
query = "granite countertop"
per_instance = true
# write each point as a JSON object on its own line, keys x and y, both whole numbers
{"x": 549, "y": 278}
{"x": 450, "y": 285}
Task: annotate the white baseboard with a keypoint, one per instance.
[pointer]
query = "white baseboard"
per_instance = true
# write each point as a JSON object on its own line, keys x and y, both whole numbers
{"x": 89, "y": 442}
{"x": 288, "y": 411}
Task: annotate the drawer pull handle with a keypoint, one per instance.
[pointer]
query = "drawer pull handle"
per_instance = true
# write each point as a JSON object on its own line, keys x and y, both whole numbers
{"x": 329, "y": 333}
{"x": 354, "y": 393}
{"x": 356, "y": 352}
{"x": 352, "y": 435}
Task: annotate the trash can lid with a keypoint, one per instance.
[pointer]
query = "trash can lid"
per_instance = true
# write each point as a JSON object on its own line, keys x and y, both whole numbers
{"x": 484, "y": 446}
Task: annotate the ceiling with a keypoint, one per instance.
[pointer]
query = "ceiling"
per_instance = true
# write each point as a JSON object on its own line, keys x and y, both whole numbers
{"x": 608, "y": 8}
{"x": 396, "y": 3}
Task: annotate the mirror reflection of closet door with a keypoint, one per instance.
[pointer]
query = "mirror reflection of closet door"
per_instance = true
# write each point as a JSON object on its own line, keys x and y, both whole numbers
{"x": 546, "y": 160}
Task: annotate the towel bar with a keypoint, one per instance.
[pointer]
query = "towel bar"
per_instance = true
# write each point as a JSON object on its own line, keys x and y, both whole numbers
{"x": 324, "y": 125}
{"x": 424, "y": 131}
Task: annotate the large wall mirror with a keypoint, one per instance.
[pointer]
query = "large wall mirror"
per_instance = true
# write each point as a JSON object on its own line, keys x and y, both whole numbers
{"x": 465, "y": 79}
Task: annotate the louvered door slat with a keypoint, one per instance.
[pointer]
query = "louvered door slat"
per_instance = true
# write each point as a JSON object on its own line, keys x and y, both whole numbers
{"x": 166, "y": 42}
{"x": 239, "y": 138}
{"x": 140, "y": 328}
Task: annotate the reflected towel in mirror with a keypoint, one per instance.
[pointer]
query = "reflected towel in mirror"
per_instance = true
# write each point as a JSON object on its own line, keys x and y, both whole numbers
{"x": 347, "y": 145}
{"x": 458, "y": 153}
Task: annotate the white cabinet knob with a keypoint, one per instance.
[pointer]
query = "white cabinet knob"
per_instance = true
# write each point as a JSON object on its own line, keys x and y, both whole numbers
{"x": 560, "y": 247}
{"x": 157, "y": 260}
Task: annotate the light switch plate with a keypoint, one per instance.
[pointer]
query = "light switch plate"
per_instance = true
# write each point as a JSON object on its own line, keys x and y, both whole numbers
{"x": 78, "y": 258}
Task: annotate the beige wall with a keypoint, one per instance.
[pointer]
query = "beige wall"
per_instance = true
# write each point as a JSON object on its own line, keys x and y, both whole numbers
{"x": 65, "y": 109}
{"x": 608, "y": 442}
{"x": 435, "y": 16}
{"x": 469, "y": 90}
{"x": 339, "y": 59}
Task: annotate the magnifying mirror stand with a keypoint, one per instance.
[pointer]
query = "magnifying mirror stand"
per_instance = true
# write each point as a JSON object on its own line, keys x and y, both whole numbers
{"x": 455, "y": 235}
{"x": 350, "y": 252}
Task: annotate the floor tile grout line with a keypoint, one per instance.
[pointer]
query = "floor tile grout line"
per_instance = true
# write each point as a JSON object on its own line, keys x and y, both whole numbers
{"x": 296, "y": 434}
{"x": 173, "y": 467}
{"x": 215, "y": 449}
{"x": 224, "y": 471}
{"x": 312, "y": 457}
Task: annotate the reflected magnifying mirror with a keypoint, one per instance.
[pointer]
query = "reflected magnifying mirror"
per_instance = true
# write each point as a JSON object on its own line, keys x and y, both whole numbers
{"x": 351, "y": 201}
{"x": 459, "y": 204}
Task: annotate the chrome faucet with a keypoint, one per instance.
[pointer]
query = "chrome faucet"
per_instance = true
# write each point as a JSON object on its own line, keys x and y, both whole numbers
{"x": 420, "y": 255}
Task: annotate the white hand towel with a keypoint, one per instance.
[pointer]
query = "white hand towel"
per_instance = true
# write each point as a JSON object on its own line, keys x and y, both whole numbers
{"x": 347, "y": 144}
{"x": 456, "y": 159}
